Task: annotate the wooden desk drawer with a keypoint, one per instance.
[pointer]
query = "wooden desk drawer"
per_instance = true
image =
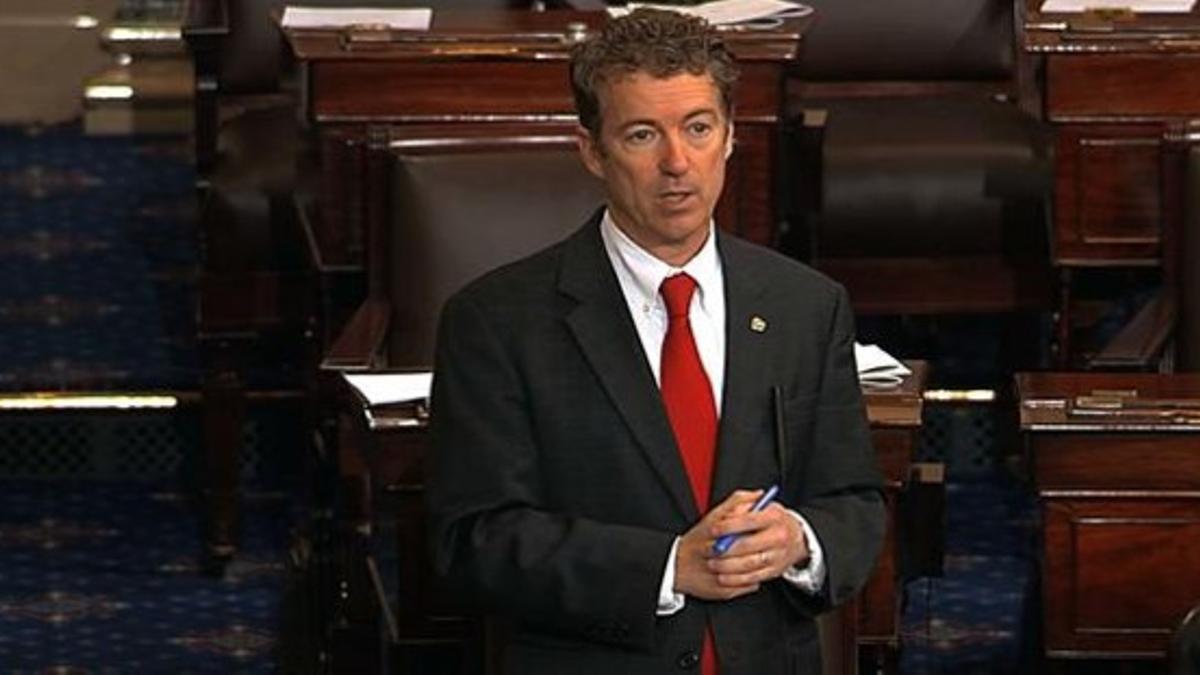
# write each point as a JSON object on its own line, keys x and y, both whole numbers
{"x": 446, "y": 91}
{"x": 1127, "y": 461}
{"x": 436, "y": 92}
{"x": 1108, "y": 202}
{"x": 1108, "y": 86}
{"x": 1119, "y": 573}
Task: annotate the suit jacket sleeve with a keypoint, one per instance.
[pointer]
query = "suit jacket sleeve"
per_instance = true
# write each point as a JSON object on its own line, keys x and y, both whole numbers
{"x": 493, "y": 537}
{"x": 839, "y": 490}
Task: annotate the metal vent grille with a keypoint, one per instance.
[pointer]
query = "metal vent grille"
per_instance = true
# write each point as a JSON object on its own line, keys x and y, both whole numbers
{"x": 134, "y": 446}
{"x": 34, "y": 447}
{"x": 150, "y": 447}
{"x": 962, "y": 436}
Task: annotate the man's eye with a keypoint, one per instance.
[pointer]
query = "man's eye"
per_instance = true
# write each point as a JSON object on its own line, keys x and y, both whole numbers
{"x": 640, "y": 136}
{"x": 699, "y": 128}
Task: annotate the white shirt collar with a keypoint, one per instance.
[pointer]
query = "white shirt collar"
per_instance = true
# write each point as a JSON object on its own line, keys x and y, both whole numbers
{"x": 646, "y": 272}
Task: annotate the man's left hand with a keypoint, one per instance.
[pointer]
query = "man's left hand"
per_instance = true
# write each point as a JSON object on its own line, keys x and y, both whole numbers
{"x": 771, "y": 541}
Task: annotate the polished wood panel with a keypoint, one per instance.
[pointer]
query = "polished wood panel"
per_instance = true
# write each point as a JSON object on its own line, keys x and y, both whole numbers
{"x": 1151, "y": 86}
{"x": 1164, "y": 462}
{"x": 1108, "y": 194}
{"x": 1119, "y": 573}
{"x": 1120, "y": 497}
{"x": 437, "y": 91}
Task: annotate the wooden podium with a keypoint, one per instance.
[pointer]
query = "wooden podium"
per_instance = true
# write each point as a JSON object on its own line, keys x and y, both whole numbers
{"x": 1116, "y": 461}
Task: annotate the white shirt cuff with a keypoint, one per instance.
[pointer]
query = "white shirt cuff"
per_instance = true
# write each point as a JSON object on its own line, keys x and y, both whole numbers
{"x": 669, "y": 602}
{"x": 811, "y": 577}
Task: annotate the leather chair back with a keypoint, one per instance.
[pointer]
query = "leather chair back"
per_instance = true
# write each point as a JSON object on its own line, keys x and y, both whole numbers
{"x": 253, "y": 54}
{"x": 909, "y": 40}
{"x": 978, "y": 163}
{"x": 458, "y": 215}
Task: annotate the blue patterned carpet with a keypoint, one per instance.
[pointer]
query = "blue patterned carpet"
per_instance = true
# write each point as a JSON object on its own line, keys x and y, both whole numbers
{"x": 104, "y": 578}
{"x": 977, "y": 618}
{"x": 97, "y": 261}
{"x": 98, "y": 252}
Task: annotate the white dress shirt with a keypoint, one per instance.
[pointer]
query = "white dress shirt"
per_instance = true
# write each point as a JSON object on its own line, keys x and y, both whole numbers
{"x": 640, "y": 275}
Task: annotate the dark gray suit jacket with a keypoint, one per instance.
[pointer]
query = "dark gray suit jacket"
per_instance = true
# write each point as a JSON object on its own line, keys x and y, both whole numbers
{"x": 556, "y": 488}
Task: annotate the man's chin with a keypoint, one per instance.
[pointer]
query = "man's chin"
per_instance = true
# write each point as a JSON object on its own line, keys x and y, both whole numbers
{"x": 684, "y": 222}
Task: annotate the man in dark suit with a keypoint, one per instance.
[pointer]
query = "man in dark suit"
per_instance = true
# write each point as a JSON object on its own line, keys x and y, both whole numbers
{"x": 606, "y": 409}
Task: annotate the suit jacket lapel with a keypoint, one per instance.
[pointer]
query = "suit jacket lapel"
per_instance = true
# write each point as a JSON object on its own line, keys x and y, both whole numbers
{"x": 606, "y": 335}
{"x": 747, "y": 372}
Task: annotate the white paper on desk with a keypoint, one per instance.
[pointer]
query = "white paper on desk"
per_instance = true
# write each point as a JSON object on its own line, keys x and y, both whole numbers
{"x": 1139, "y": 6}
{"x": 728, "y": 11}
{"x": 384, "y": 388}
{"x": 408, "y": 18}
{"x": 877, "y": 367}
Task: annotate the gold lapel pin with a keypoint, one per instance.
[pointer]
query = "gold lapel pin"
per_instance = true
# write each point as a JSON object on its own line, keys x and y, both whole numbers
{"x": 758, "y": 324}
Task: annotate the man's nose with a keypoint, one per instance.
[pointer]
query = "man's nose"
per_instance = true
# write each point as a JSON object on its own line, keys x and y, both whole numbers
{"x": 674, "y": 159}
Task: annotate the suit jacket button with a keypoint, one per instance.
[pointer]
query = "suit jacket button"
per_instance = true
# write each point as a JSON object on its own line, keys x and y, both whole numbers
{"x": 689, "y": 660}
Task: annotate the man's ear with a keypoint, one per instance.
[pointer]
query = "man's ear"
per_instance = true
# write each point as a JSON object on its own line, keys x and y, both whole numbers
{"x": 590, "y": 151}
{"x": 729, "y": 140}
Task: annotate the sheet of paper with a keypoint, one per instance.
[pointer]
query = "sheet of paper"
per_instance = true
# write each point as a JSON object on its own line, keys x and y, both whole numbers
{"x": 1139, "y": 6}
{"x": 729, "y": 11}
{"x": 412, "y": 18}
{"x": 875, "y": 366}
{"x": 385, "y": 388}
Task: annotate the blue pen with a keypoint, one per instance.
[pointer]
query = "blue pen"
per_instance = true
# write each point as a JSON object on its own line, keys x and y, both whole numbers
{"x": 725, "y": 541}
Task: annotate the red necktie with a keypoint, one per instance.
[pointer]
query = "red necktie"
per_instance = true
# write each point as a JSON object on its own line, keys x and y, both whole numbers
{"x": 688, "y": 396}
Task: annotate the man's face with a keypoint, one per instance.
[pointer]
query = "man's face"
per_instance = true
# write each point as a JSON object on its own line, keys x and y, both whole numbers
{"x": 661, "y": 152}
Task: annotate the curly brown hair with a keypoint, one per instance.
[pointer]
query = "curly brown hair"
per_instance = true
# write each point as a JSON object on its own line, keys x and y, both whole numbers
{"x": 657, "y": 42}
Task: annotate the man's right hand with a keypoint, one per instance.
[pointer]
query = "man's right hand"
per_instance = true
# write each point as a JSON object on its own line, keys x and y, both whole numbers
{"x": 692, "y": 575}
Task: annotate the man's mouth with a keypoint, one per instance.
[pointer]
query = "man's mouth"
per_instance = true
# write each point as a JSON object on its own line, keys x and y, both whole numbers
{"x": 675, "y": 197}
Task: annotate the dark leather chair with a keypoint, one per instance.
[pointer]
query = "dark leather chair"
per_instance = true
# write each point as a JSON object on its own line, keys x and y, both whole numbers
{"x": 454, "y": 212}
{"x": 918, "y": 181}
{"x": 456, "y": 208}
{"x": 1183, "y": 656}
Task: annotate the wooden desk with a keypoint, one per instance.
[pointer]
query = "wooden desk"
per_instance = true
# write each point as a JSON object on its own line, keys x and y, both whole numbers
{"x": 895, "y": 416}
{"x": 1114, "y": 90}
{"x": 1120, "y": 515}
{"x": 477, "y": 69}
{"x": 394, "y": 447}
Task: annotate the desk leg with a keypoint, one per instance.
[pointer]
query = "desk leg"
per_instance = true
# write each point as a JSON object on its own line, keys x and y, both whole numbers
{"x": 1063, "y": 323}
{"x": 878, "y": 659}
{"x": 223, "y": 414}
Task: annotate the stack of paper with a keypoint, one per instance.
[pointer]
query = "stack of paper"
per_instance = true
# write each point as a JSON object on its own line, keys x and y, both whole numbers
{"x": 877, "y": 368}
{"x": 1139, "y": 6}
{"x": 413, "y": 18}
{"x": 729, "y": 11}
{"x": 380, "y": 389}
